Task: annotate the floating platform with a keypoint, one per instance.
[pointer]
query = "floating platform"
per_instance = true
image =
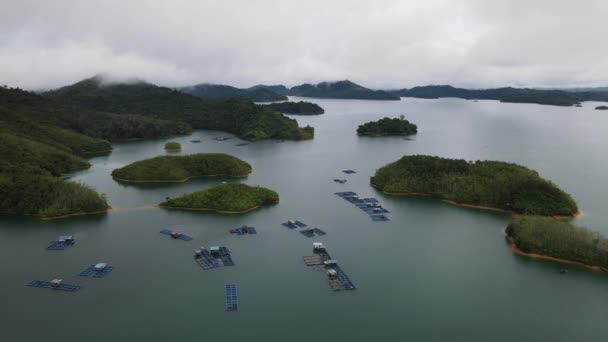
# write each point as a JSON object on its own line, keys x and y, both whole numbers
{"x": 57, "y": 287}
{"x": 242, "y": 144}
{"x": 379, "y": 218}
{"x": 92, "y": 272}
{"x": 292, "y": 224}
{"x": 195, "y": 141}
{"x": 346, "y": 194}
{"x": 370, "y": 205}
{"x": 313, "y": 260}
{"x": 349, "y": 171}
{"x": 208, "y": 261}
{"x": 375, "y": 210}
{"x": 60, "y": 245}
{"x": 341, "y": 282}
{"x": 319, "y": 231}
{"x": 221, "y": 138}
{"x": 176, "y": 235}
{"x": 244, "y": 230}
{"x": 232, "y": 297}
{"x": 341, "y": 181}
{"x": 309, "y": 232}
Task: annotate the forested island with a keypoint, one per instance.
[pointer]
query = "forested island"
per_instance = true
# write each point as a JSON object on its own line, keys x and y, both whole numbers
{"x": 231, "y": 198}
{"x": 484, "y": 184}
{"x": 559, "y": 241}
{"x": 237, "y": 115}
{"x": 340, "y": 90}
{"x": 298, "y": 108}
{"x": 182, "y": 168}
{"x": 387, "y": 126}
{"x": 173, "y": 146}
{"x": 601, "y": 107}
{"x": 224, "y": 92}
{"x": 507, "y": 94}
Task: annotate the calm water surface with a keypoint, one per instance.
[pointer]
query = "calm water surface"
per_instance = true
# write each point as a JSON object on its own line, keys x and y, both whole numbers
{"x": 436, "y": 272}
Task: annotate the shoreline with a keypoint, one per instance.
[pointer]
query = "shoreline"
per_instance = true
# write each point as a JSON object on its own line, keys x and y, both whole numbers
{"x": 156, "y": 138}
{"x": 178, "y": 180}
{"x": 77, "y": 214}
{"x": 97, "y": 152}
{"x": 518, "y": 251}
{"x": 206, "y": 209}
{"x": 579, "y": 213}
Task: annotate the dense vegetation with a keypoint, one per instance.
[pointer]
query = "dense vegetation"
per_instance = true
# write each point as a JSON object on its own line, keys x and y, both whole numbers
{"x": 277, "y": 89}
{"x": 40, "y": 140}
{"x": 24, "y": 110}
{"x": 224, "y": 92}
{"x": 340, "y": 90}
{"x": 301, "y": 107}
{"x": 387, "y": 126}
{"x": 232, "y": 197}
{"x": 29, "y": 183}
{"x": 558, "y": 239}
{"x": 180, "y": 168}
{"x": 21, "y": 155}
{"x": 238, "y": 115}
{"x": 173, "y": 146}
{"x": 485, "y": 183}
{"x": 508, "y": 94}
{"x": 45, "y": 196}
{"x": 601, "y": 107}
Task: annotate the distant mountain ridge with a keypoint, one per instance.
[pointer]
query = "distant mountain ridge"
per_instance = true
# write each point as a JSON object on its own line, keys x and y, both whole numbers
{"x": 340, "y": 90}
{"x": 507, "y": 94}
{"x": 278, "y": 89}
{"x": 224, "y": 92}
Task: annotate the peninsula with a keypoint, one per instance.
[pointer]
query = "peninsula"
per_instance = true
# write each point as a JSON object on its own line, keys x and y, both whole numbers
{"x": 387, "y": 126}
{"x": 483, "y": 184}
{"x": 296, "y": 108}
{"x": 30, "y": 183}
{"x": 182, "y": 168}
{"x": 36, "y": 153}
{"x": 560, "y": 241}
{"x": 231, "y": 198}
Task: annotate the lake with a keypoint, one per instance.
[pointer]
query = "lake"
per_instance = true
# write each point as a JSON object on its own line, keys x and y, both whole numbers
{"x": 435, "y": 272}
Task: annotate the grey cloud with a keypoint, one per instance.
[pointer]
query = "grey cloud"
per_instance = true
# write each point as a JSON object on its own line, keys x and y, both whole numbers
{"x": 383, "y": 44}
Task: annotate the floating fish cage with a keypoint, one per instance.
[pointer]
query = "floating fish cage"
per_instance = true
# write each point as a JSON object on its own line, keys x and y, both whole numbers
{"x": 98, "y": 270}
{"x": 176, "y": 235}
{"x": 214, "y": 257}
{"x": 370, "y": 206}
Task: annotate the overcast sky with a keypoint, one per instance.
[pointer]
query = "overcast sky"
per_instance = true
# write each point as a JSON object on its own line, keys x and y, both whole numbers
{"x": 380, "y": 44}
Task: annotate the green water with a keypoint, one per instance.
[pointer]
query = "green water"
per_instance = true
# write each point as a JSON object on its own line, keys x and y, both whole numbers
{"x": 435, "y": 272}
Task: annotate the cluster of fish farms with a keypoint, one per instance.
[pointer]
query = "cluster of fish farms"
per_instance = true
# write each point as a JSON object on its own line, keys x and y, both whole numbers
{"x": 219, "y": 256}
{"x": 370, "y": 206}
{"x": 338, "y": 280}
{"x": 98, "y": 270}
{"x": 307, "y": 231}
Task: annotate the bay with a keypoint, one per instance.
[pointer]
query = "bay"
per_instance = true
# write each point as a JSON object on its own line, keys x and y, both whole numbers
{"x": 435, "y": 272}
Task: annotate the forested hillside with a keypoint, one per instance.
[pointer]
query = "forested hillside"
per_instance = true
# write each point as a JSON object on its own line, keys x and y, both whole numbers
{"x": 238, "y": 115}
